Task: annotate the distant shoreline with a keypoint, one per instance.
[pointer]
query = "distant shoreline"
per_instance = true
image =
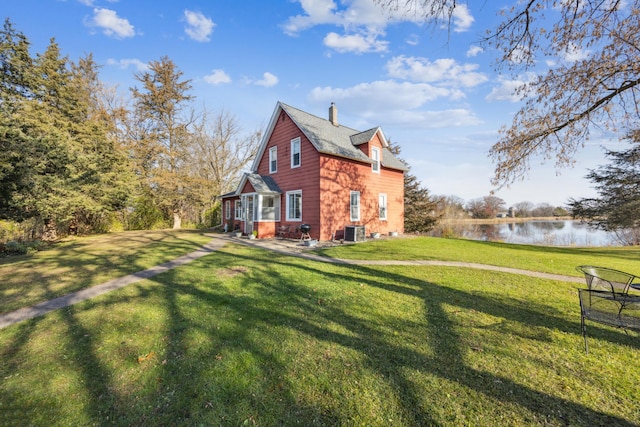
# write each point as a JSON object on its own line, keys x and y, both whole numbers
{"x": 503, "y": 220}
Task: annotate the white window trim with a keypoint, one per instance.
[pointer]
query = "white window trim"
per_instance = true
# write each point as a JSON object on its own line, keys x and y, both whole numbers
{"x": 375, "y": 155}
{"x": 273, "y": 156}
{"x": 238, "y": 209}
{"x": 293, "y": 143}
{"x": 382, "y": 203}
{"x": 290, "y": 193}
{"x": 351, "y": 206}
{"x": 227, "y": 209}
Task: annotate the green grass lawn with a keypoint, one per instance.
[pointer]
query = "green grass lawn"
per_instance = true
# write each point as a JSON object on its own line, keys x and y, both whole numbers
{"x": 557, "y": 260}
{"x": 77, "y": 264}
{"x": 245, "y": 336}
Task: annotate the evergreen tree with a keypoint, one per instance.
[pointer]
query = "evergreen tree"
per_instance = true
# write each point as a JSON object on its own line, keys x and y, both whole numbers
{"x": 420, "y": 211}
{"x": 57, "y": 164}
{"x": 16, "y": 85}
{"x": 617, "y": 207}
{"x": 161, "y": 146}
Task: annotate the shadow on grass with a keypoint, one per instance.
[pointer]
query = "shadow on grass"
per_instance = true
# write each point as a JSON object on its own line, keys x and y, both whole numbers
{"x": 222, "y": 364}
{"x": 73, "y": 266}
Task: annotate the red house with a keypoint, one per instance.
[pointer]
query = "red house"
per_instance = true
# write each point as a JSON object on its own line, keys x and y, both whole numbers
{"x": 335, "y": 180}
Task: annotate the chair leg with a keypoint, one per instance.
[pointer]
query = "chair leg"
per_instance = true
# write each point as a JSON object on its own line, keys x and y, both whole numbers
{"x": 584, "y": 334}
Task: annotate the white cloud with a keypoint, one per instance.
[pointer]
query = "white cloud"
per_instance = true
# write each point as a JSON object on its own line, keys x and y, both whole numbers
{"x": 506, "y": 90}
{"x": 199, "y": 27}
{"x": 127, "y": 63}
{"x": 362, "y": 22}
{"x": 575, "y": 53}
{"x": 412, "y": 40}
{"x": 316, "y": 12}
{"x": 217, "y": 77}
{"x": 474, "y": 51}
{"x": 356, "y": 43}
{"x": 444, "y": 71}
{"x": 111, "y": 24}
{"x": 427, "y": 119}
{"x": 519, "y": 54}
{"x": 462, "y": 19}
{"x": 394, "y": 103}
{"x": 383, "y": 95}
{"x": 268, "y": 80}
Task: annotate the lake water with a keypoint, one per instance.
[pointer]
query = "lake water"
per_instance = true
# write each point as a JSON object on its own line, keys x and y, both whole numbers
{"x": 548, "y": 233}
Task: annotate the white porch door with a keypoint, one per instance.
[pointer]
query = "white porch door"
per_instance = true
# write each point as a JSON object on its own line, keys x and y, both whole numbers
{"x": 249, "y": 215}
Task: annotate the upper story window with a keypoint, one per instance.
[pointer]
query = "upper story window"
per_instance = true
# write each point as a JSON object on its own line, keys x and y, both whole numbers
{"x": 295, "y": 152}
{"x": 273, "y": 159}
{"x": 375, "y": 155}
{"x": 354, "y": 206}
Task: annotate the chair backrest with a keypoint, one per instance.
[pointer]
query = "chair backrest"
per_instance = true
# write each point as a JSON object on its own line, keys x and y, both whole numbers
{"x": 606, "y": 279}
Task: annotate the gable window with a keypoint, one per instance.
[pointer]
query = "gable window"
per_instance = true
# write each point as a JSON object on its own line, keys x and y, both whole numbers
{"x": 295, "y": 152}
{"x": 273, "y": 159}
{"x": 238, "y": 212}
{"x": 227, "y": 209}
{"x": 294, "y": 205}
{"x": 382, "y": 206}
{"x": 375, "y": 155}
{"x": 354, "y": 206}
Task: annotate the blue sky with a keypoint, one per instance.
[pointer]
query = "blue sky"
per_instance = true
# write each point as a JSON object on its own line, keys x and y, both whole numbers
{"x": 433, "y": 91}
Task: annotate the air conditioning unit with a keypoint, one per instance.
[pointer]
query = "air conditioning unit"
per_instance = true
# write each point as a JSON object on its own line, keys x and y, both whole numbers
{"x": 353, "y": 233}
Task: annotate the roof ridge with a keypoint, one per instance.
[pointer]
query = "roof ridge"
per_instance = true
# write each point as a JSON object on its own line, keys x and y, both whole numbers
{"x": 282, "y": 104}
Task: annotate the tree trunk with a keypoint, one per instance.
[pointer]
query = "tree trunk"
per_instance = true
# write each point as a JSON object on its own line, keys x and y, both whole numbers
{"x": 49, "y": 232}
{"x": 177, "y": 220}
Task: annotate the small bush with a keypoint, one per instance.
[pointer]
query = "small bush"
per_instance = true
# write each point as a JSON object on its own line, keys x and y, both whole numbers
{"x": 15, "y": 247}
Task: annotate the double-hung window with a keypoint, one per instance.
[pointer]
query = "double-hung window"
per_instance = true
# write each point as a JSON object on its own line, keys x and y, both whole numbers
{"x": 294, "y": 205}
{"x": 295, "y": 152}
{"x": 227, "y": 209}
{"x": 273, "y": 159}
{"x": 382, "y": 206}
{"x": 354, "y": 206}
{"x": 375, "y": 155}
{"x": 238, "y": 206}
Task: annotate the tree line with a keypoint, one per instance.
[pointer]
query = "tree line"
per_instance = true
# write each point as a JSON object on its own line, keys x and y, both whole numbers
{"x": 77, "y": 157}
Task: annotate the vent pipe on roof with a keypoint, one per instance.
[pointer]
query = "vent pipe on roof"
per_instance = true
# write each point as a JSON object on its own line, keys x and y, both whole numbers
{"x": 333, "y": 114}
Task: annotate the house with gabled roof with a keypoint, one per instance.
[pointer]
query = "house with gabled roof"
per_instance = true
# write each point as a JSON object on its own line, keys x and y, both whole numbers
{"x": 315, "y": 174}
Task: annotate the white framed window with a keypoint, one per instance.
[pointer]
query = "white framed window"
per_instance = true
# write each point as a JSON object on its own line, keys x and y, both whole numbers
{"x": 294, "y": 205}
{"x": 354, "y": 206}
{"x": 238, "y": 209}
{"x": 273, "y": 159}
{"x": 382, "y": 206}
{"x": 295, "y": 152}
{"x": 269, "y": 208}
{"x": 375, "y": 155}
{"x": 227, "y": 209}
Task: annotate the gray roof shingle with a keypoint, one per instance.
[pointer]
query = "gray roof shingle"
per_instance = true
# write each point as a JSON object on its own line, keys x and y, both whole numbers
{"x": 326, "y": 137}
{"x": 263, "y": 184}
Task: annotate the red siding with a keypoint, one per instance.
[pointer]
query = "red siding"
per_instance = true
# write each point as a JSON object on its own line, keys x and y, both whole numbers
{"x": 340, "y": 177}
{"x": 306, "y": 177}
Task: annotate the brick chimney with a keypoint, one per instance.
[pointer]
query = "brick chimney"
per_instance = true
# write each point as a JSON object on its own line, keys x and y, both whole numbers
{"x": 333, "y": 114}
